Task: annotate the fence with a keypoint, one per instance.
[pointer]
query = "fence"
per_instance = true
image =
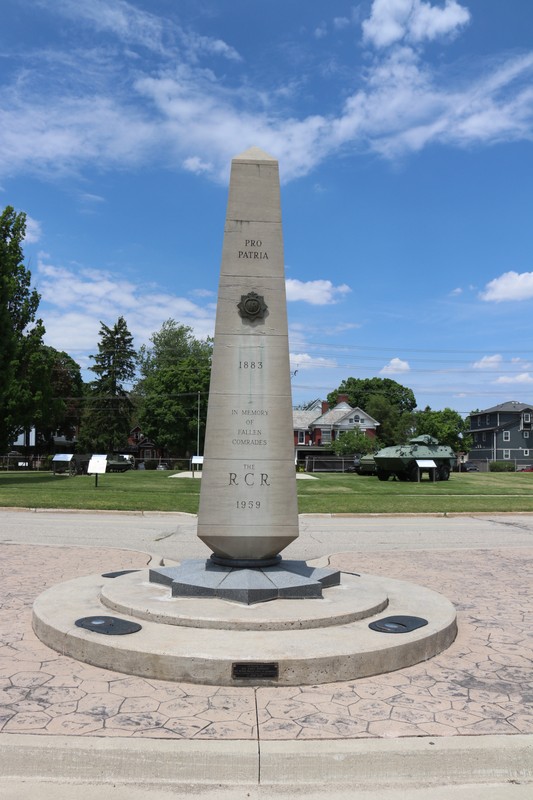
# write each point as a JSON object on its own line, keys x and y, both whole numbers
{"x": 329, "y": 464}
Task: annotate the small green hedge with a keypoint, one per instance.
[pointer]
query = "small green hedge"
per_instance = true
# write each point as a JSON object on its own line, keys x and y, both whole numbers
{"x": 502, "y": 466}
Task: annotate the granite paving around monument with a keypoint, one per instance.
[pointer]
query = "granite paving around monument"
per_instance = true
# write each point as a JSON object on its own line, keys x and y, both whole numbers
{"x": 482, "y": 684}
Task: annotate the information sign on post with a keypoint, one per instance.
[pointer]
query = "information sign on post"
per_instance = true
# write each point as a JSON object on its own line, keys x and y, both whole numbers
{"x": 97, "y": 466}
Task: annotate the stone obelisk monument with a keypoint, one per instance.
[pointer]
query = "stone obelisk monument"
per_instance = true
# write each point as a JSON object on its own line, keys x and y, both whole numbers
{"x": 248, "y": 508}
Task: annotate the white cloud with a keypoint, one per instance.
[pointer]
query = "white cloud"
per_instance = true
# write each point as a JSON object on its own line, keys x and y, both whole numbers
{"x": 343, "y": 327}
{"x": 302, "y": 361}
{"x": 74, "y": 301}
{"x": 509, "y": 286}
{"x": 33, "y": 230}
{"x": 87, "y": 197}
{"x": 523, "y": 377}
{"x": 391, "y": 21}
{"x": 317, "y": 293}
{"x": 196, "y": 165}
{"x": 114, "y": 111}
{"x": 396, "y": 366}
{"x": 136, "y": 27}
{"x": 456, "y": 292}
{"x": 130, "y": 24}
{"x": 340, "y": 22}
{"x": 488, "y": 362}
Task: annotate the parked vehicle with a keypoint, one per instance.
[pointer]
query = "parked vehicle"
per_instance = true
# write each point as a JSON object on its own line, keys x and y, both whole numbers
{"x": 119, "y": 463}
{"x": 407, "y": 461}
{"x": 365, "y": 465}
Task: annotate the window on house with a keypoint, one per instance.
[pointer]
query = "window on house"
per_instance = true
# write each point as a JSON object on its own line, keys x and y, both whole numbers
{"x": 507, "y": 436}
{"x": 526, "y": 434}
{"x": 326, "y": 437}
{"x": 301, "y": 437}
{"x": 507, "y": 454}
{"x": 487, "y": 419}
{"x": 526, "y": 453}
{"x": 527, "y": 416}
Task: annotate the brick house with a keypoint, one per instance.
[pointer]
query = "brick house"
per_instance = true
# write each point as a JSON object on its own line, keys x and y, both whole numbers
{"x": 503, "y": 433}
{"x": 320, "y": 425}
{"x": 142, "y": 448}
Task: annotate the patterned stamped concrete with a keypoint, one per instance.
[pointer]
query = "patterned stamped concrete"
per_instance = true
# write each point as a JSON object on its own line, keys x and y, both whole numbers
{"x": 483, "y": 684}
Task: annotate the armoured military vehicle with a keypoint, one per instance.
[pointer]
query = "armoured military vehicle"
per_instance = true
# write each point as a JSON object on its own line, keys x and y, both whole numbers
{"x": 407, "y": 461}
{"x": 365, "y": 465}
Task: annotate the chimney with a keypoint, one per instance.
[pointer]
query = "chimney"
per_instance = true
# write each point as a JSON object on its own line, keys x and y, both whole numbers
{"x": 342, "y": 398}
{"x": 325, "y": 406}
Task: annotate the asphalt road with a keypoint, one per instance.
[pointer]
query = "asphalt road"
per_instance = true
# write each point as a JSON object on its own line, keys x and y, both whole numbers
{"x": 173, "y": 535}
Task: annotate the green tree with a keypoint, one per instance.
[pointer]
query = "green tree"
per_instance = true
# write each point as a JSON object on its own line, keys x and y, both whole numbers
{"x": 174, "y": 369}
{"x": 169, "y": 346}
{"x": 448, "y": 426}
{"x": 106, "y": 420}
{"x": 67, "y": 390}
{"x": 353, "y": 442}
{"x": 390, "y": 403}
{"x": 24, "y": 384}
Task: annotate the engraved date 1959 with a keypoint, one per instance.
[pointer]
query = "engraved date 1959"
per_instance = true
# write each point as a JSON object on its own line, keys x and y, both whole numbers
{"x": 248, "y": 504}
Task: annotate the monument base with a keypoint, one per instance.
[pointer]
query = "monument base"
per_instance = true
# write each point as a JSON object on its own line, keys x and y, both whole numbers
{"x": 213, "y": 641}
{"x": 245, "y": 581}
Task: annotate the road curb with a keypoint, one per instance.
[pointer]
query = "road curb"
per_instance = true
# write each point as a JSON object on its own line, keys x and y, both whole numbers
{"x": 366, "y": 764}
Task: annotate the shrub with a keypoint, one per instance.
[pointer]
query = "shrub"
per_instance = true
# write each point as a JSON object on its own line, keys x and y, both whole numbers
{"x": 501, "y": 466}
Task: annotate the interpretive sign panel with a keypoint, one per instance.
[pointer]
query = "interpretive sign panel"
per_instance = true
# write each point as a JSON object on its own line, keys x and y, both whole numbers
{"x": 97, "y": 465}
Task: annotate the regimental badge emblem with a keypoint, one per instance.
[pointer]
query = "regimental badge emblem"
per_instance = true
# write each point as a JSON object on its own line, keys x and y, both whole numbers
{"x": 252, "y": 306}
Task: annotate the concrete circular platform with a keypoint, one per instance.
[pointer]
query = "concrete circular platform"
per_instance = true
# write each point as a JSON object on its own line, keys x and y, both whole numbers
{"x": 132, "y": 595}
{"x": 343, "y": 650}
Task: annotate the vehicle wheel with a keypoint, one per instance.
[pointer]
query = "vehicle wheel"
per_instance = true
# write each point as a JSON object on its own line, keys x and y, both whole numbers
{"x": 413, "y": 474}
{"x": 382, "y": 475}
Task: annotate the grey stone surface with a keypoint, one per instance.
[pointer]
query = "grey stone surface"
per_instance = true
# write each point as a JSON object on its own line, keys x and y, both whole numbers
{"x": 247, "y": 586}
{"x": 203, "y": 578}
{"x": 326, "y": 576}
{"x": 248, "y": 507}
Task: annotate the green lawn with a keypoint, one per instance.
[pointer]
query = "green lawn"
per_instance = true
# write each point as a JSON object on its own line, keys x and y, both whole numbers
{"x": 340, "y": 494}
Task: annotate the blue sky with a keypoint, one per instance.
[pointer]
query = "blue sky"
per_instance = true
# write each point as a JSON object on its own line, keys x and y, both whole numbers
{"x": 404, "y": 132}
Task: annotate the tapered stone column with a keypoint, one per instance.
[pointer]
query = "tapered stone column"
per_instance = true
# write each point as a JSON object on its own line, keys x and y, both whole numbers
{"x": 248, "y": 507}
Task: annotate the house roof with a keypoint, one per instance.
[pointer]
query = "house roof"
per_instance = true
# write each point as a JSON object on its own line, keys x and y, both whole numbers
{"x": 302, "y": 419}
{"x": 510, "y": 405}
{"x": 334, "y": 416}
{"x": 342, "y": 411}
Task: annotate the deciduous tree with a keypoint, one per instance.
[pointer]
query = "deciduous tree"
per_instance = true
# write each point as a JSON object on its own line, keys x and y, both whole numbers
{"x": 24, "y": 378}
{"x": 353, "y": 442}
{"x": 390, "y": 403}
{"x": 448, "y": 426}
{"x": 175, "y": 370}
